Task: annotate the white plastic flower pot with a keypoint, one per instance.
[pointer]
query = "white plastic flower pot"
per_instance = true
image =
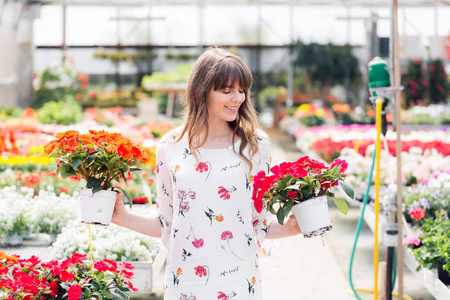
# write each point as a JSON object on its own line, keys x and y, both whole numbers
{"x": 14, "y": 239}
{"x": 97, "y": 208}
{"x": 313, "y": 216}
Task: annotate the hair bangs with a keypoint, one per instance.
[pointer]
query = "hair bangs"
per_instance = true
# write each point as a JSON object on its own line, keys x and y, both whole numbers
{"x": 230, "y": 73}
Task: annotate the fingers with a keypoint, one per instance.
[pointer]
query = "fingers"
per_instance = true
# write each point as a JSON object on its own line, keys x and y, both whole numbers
{"x": 120, "y": 197}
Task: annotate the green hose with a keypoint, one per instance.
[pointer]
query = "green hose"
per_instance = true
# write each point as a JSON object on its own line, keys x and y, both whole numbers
{"x": 358, "y": 231}
{"x": 359, "y": 225}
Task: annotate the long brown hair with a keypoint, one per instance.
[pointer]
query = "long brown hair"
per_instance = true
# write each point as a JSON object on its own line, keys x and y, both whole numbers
{"x": 214, "y": 69}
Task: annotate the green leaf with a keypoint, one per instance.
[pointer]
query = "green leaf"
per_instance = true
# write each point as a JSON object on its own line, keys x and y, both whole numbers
{"x": 67, "y": 171}
{"x": 76, "y": 162}
{"x": 107, "y": 294}
{"x": 130, "y": 199}
{"x": 123, "y": 175}
{"x": 90, "y": 159}
{"x": 287, "y": 208}
{"x": 94, "y": 183}
{"x": 280, "y": 216}
{"x": 347, "y": 189}
{"x": 341, "y": 205}
{"x": 54, "y": 154}
{"x": 135, "y": 169}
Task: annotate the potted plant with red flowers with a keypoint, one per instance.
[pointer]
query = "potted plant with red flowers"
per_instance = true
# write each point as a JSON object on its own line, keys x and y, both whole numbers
{"x": 100, "y": 158}
{"x": 303, "y": 188}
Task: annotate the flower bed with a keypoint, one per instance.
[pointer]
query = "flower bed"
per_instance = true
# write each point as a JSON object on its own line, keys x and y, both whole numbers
{"x": 110, "y": 242}
{"x": 23, "y": 212}
{"x": 33, "y": 279}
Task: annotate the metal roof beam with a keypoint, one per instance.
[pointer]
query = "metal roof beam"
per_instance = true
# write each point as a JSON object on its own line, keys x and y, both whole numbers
{"x": 131, "y": 3}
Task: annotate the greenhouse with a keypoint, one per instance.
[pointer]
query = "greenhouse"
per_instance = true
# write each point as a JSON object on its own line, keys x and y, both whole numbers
{"x": 262, "y": 149}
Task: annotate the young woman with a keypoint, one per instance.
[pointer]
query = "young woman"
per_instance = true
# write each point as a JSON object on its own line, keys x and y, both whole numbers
{"x": 205, "y": 215}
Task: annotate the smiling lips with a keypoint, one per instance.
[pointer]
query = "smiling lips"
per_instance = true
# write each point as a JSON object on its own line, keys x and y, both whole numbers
{"x": 232, "y": 108}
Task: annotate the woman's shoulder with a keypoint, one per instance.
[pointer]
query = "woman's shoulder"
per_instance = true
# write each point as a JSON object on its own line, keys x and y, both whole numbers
{"x": 171, "y": 137}
{"x": 261, "y": 137}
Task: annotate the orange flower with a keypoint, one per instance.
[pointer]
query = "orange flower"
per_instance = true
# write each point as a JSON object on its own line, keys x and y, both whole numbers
{"x": 219, "y": 218}
{"x": 111, "y": 149}
{"x": 50, "y": 147}
{"x": 389, "y": 118}
{"x": 253, "y": 280}
{"x": 124, "y": 151}
{"x": 179, "y": 271}
{"x": 177, "y": 168}
{"x": 136, "y": 152}
{"x": 371, "y": 113}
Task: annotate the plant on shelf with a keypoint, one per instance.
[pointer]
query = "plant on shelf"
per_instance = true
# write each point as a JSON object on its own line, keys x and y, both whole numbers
{"x": 415, "y": 83}
{"x": 439, "y": 85}
{"x": 310, "y": 115}
{"x": 433, "y": 244}
{"x": 425, "y": 199}
{"x": 292, "y": 183}
{"x": 15, "y": 215}
{"x": 98, "y": 157}
{"x": 112, "y": 242}
{"x": 69, "y": 279}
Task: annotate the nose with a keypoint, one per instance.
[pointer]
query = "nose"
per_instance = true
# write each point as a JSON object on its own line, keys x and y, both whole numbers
{"x": 238, "y": 97}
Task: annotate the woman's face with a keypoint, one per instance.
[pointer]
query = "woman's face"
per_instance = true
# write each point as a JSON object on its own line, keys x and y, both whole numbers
{"x": 224, "y": 104}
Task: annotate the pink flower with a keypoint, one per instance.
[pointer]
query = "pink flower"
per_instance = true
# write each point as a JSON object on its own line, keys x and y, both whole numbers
{"x": 417, "y": 213}
{"x": 342, "y": 163}
{"x": 198, "y": 243}
{"x": 226, "y": 235}
{"x": 411, "y": 240}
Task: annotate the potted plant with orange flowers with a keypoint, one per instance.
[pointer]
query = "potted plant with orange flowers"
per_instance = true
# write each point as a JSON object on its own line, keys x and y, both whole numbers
{"x": 100, "y": 158}
{"x": 302, "y": 187}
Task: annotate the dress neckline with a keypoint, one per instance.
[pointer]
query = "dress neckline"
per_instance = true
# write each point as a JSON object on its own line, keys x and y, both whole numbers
{"x": 223, "y": 148}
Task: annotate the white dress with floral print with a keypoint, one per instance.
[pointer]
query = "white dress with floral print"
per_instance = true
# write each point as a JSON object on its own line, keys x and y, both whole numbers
{"x": 208, "y": 221}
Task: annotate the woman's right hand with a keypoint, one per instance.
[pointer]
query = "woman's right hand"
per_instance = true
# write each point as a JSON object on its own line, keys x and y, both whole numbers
{"x": 120, "y": 212}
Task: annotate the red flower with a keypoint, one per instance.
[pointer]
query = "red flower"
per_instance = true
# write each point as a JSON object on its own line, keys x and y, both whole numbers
{"x": 202, "y": 167}
{"x": 101, "y": 266}
{"x": 53, "y": 289}
{"x": 77, "y": 258}
{"x": 66, "y": 276}
{"x": 64, "y": 190}
{"x": 417, "y": 213}
{"x": 291, "y": 194}
{"x": 200, "y": 271}
{"x": 74, "y": 292}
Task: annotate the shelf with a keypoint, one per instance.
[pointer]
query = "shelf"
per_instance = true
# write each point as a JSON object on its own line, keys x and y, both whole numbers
{"x": 429, "y": 278}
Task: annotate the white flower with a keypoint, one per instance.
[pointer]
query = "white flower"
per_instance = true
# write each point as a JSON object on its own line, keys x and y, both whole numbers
{"x": 111, "y": 242}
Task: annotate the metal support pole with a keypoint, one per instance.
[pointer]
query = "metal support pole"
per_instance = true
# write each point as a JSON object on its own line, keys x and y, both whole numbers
{"x": 201, "y": 26}
{"x": 396, "y": 63}
{"x": 64, "y": 45}
{"x": 290, "y": 61}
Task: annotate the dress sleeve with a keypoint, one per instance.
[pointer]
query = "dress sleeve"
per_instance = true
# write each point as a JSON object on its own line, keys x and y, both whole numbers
{"x": 164, "y": 206}
{"x": 262, "y": 221}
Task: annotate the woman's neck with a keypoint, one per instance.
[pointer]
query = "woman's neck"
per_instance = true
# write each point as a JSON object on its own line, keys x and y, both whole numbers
{"x": 218, "y": 137}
